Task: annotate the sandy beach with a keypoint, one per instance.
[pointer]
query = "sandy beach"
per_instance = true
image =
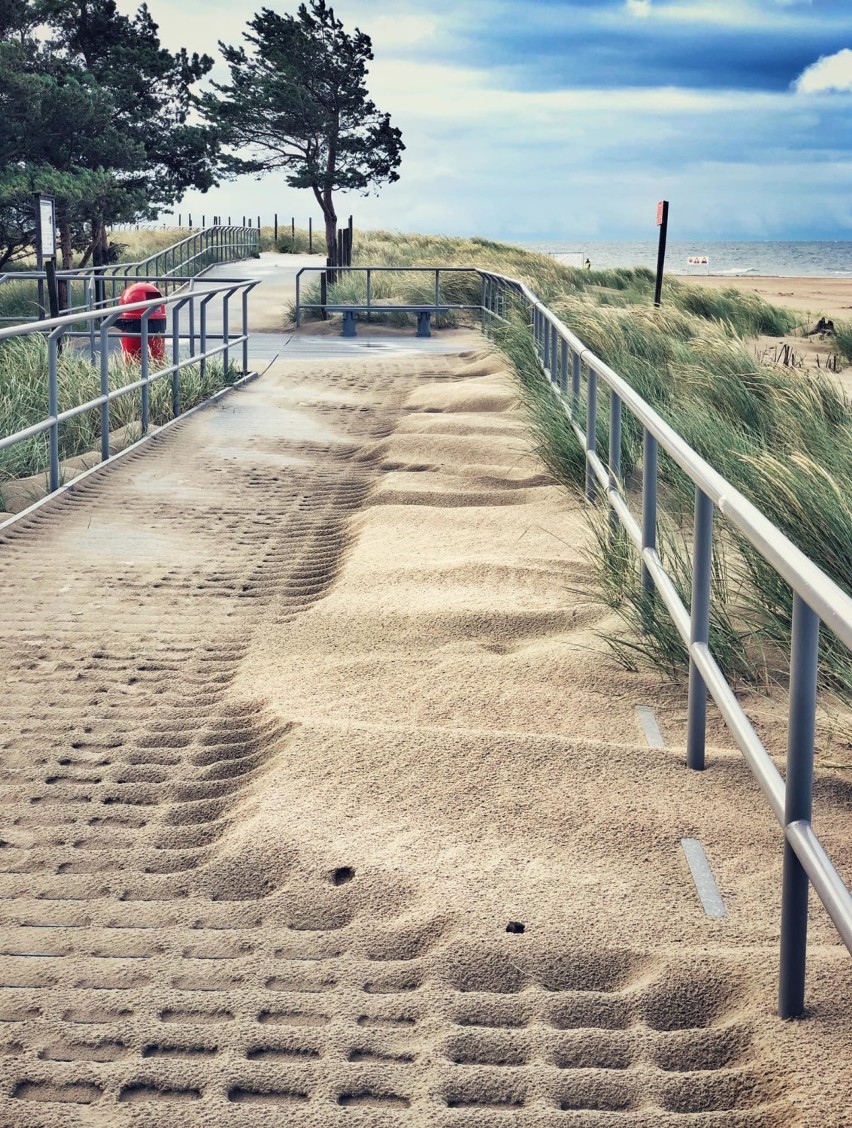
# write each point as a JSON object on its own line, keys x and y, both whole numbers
{"x": 813, "y": 297}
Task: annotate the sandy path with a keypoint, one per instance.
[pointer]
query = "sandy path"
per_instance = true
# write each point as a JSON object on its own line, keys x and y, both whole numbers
{"x": 302, "y": 708}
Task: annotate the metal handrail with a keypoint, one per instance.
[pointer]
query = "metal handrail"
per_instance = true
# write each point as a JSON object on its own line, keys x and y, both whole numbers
{"x": 173, "y": 266}
{"x": 817, "y": 598}
{"x": 214, "y": 239}
{"x": 370, "y": 306}
{"x": 200, "y": 350}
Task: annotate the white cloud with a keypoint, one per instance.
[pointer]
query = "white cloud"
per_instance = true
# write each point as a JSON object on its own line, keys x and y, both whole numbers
{"x": 639, "y": 7}
{"x": 831, "y": 72}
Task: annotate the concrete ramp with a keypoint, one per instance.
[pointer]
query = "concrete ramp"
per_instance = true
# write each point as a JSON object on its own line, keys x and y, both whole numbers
{"x": 323, "y": 804}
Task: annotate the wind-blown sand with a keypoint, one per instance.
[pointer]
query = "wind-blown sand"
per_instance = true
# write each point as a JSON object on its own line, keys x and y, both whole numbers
{"x": 304, "y": 705}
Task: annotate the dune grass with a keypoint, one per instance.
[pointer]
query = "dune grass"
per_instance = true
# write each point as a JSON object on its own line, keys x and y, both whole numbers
{"x": 23, "y": 400}
{"x": 784, "y": 438}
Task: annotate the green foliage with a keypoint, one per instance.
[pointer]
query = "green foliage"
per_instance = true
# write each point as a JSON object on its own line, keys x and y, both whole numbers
{"x": 782, "y": 437}
{"x": 843, "y": 338}
{"x": 298, "y": 101}
{"x": 96, "y": 112}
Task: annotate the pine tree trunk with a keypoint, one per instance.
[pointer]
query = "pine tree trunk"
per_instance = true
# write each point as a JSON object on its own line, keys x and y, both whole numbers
{"x": 331, "y": 235}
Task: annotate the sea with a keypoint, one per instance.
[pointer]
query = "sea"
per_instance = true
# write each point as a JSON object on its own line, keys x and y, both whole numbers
{"x": 784, "y": 259}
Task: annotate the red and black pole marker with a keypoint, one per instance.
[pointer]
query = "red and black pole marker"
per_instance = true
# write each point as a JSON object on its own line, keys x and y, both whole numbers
{"x": 663, "y": 224}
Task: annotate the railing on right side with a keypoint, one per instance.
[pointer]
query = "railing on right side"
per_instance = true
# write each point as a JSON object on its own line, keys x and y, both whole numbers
{"x": 816, "y": 598}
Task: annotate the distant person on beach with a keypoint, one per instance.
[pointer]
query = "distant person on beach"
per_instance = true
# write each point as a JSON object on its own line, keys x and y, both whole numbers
{"x": 587, "y": 265}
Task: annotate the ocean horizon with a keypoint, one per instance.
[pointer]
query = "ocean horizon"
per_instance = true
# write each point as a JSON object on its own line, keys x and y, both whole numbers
{"x": 785, "y": 259}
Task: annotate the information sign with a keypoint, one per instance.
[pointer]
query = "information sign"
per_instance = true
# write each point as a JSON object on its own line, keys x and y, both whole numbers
{"x": 46, "y": 227}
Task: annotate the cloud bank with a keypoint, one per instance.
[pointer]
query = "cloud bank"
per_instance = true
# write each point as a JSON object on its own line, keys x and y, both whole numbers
{"x": 568, "y": 120}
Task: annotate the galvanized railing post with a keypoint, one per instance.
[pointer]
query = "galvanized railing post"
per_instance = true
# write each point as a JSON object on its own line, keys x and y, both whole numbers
{"x": 245, "y": 332}
{"x": 702, "y": 568}
{"x": 226, "y": 335}
{"x": 545, "y": 344}
{"x": 554, "y": 355}
{"x": 192, "y": 322}
{"x": 90, "y": 305}
{"x": 614, "y": 453}
{"x": 176, "y": 308}
{"x": 53, "y": 404}
{"x": 649, "y": 508}
{"x": 202, "y": 364}
{"x": 105, "y": 410}
{"x": 563, "y": 367}
{"x": 798, "y": 805}
{"x": 298, "y": 298}
{"x": 576, "y": 384}
{"x": 591, "y": 428}
{"x": 145, "y": 363}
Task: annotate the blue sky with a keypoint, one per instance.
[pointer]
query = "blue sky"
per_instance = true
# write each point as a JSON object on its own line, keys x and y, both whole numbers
{"x": 568, "y": 119}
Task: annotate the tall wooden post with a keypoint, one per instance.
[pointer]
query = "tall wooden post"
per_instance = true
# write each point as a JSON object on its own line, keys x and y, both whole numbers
{"x": 663, "y": 224}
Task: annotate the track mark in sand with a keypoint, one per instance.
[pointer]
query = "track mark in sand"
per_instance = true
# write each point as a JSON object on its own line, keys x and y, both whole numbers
{"x": 134, "y": 1094}
{"x": 240, "y": 1095}
{"x": 370, "y": 1099}
{"x": 84, "y": 1051}
{"x": 375, "y": 1057}
{"x": 292, "y": 1018}
{"x": 57, "y": 1093}
{"x": 282, "y": 1053}
{"x": 179, "y": 1052}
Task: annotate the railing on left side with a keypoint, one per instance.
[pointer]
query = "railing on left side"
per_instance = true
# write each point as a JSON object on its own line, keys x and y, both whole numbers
{"x": 171, "y": 268}
{"x": 194, "y": 346}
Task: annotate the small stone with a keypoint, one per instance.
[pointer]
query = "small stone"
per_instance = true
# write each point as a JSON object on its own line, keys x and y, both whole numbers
{"x": 515, "y": 926}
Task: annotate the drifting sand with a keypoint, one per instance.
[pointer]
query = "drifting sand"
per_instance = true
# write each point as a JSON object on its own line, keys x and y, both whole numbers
{"x": 303, "y": 708}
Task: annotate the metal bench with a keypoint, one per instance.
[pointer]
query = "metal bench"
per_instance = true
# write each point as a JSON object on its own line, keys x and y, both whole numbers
{"x": 350, "y": 315}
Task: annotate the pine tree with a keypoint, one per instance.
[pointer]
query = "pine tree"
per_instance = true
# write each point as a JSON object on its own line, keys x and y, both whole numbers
{"x": 298, "y": 100}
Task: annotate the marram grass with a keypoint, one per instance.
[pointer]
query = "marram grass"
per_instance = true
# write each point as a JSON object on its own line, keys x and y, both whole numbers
{"x": 23, "y": 400}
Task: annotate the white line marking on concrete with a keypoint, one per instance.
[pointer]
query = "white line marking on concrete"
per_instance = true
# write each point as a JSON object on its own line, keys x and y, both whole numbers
{"x": 650, "y": 727}
{"x": 702, "y": 875}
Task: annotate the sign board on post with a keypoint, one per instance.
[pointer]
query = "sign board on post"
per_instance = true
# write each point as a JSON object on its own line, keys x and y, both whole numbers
{"x": 45, "y": 227}
{"x": 45, "y": 211}
{"x": 660, "y": 210}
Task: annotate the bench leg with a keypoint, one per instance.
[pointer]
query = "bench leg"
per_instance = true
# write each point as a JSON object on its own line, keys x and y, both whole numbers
{"x": 424, "y": 324}
{"x": 349, "y": 329}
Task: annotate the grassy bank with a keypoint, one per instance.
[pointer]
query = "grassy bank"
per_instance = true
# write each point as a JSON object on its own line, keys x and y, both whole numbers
{"x": 782, "y": 437}
{"x": 23, "y": 401}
